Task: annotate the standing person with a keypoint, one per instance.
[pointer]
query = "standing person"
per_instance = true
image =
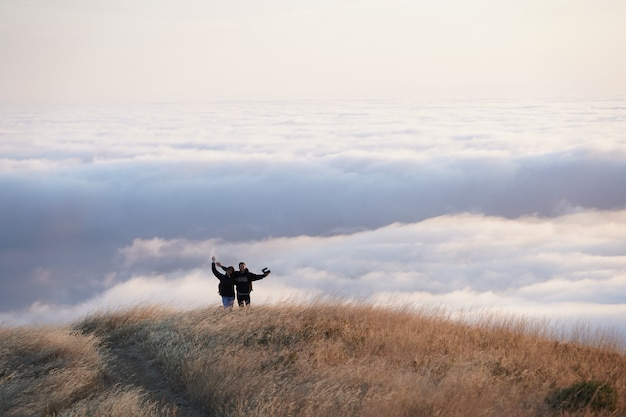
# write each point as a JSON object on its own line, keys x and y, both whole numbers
{"x": 243, "y": 283}
{"x": 226, "y": 287}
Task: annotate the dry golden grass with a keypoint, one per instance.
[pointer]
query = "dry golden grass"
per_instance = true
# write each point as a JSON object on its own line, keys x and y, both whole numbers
{"x": 325, "y": 359}
{"x": 44, "y": 370}
{"x": 55, "y": 371}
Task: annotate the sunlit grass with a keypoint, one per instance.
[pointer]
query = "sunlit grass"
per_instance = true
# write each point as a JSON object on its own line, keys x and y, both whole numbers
{"x": 323, "y": 359}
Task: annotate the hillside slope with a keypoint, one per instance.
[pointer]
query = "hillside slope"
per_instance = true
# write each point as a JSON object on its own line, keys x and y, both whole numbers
{"x": 326, "y": 359}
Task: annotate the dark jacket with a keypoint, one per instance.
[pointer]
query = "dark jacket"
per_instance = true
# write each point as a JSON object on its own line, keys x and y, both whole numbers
{"x": 243, "y": 281}
{"x": 226, "y": 288}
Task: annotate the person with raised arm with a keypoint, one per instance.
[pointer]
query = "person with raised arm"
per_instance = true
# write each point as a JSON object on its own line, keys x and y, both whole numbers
{"x": 226, "y": 287}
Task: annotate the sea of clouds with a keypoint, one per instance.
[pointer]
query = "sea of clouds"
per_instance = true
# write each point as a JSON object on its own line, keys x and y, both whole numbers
{"x": 509, "y": 206}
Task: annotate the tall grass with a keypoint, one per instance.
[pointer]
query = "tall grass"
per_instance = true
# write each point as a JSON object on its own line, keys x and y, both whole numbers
{"x": 44, "y": 370}
{"x": 325, "y": 359}
{"x": 56, "y": 371}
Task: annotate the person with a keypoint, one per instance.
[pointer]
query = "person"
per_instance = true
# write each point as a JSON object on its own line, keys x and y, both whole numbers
{"x": 243, "y": 283}
{"x": 226, "y": 287}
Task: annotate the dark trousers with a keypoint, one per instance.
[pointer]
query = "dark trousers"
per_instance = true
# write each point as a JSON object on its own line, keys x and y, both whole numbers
{"x": 243, "y": 299}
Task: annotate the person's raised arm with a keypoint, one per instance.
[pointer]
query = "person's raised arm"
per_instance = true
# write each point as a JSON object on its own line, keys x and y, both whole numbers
{"x": 214, "y": 269}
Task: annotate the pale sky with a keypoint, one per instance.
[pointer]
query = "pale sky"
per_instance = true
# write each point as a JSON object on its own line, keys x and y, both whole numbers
{"x": 191, "y": 50}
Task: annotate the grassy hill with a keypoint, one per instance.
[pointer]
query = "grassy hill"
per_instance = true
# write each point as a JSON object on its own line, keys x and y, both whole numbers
{"x": 326, "y": 359}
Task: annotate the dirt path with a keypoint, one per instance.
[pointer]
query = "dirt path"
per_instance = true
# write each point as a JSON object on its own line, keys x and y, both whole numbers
{"x": 131, "y": 367}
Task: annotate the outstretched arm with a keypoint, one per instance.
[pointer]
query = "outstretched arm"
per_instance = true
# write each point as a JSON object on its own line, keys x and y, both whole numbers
{"x": 218, "y": 264}
{"x": 217, "y": 274}
{"x": 255, "y": 277}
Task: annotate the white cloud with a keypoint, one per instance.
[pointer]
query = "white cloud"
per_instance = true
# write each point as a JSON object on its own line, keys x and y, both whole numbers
{"x": 189, "y": 291}
{"x": 479, "y": 203}
{"x": 529, "y": 265}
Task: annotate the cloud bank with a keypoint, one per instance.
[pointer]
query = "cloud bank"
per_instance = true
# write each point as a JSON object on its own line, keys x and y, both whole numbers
{"x": 518, "y": 206}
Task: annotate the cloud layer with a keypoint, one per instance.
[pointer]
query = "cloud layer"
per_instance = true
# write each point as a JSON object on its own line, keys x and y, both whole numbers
{"x": 486, "y": 203}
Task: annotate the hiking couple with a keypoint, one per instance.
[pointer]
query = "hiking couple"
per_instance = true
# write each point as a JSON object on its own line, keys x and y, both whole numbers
{"x": 231, "y": 279}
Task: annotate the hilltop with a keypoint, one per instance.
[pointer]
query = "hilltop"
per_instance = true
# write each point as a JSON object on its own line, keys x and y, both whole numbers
{"x": 325, "y": 359}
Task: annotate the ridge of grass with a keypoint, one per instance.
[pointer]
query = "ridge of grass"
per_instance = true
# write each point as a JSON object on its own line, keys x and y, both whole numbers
{"x": 323, "y": 359}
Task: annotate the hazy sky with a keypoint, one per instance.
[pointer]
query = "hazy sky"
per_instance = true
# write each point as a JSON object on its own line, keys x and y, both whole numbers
{"x": 164, "y": 50}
